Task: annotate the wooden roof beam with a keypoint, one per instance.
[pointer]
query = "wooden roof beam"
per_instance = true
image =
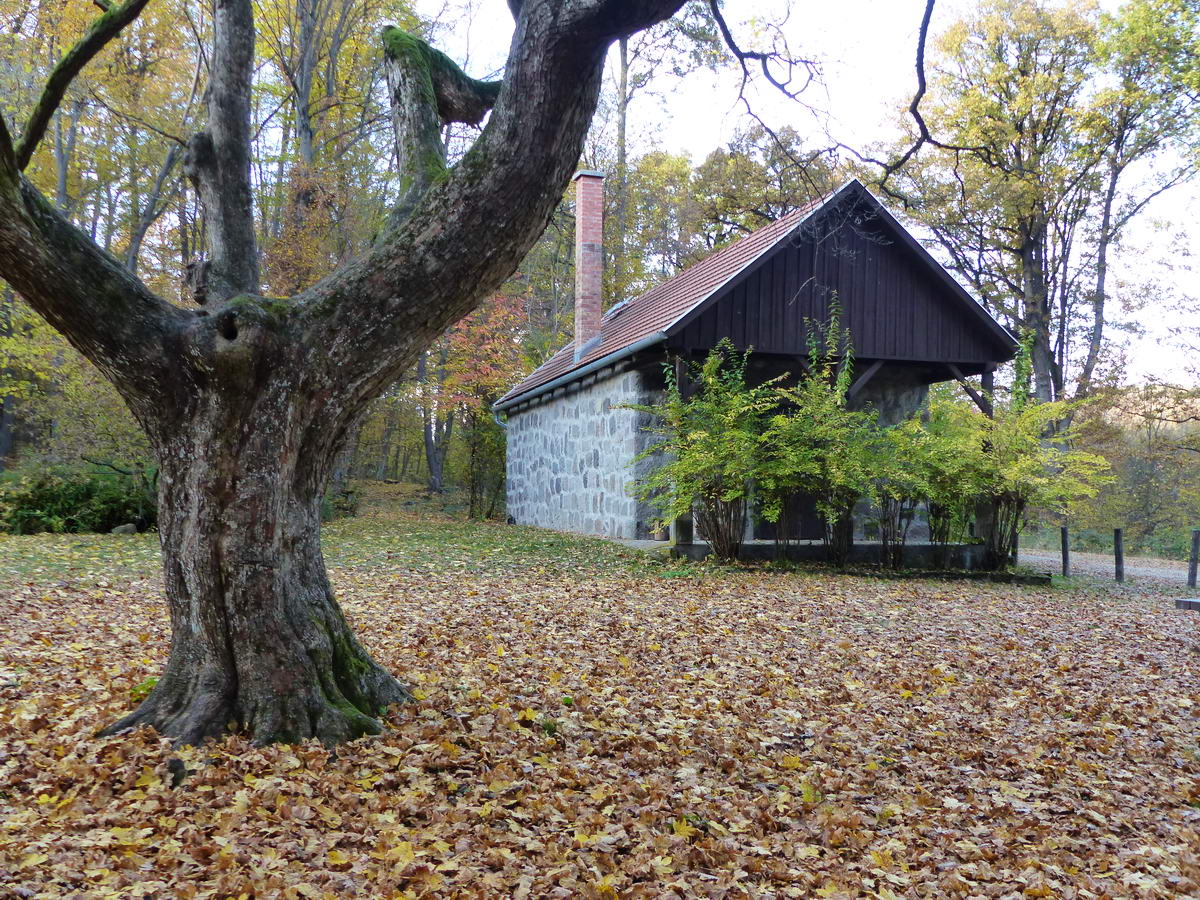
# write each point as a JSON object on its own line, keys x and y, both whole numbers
{"x": 984, "y": 403}
{"x": 861, "y": 381}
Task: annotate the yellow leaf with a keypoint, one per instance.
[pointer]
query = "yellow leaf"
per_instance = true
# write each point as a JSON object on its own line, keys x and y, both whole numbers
{"x": 683, "y": 828}
{"x": 402, "y": 854}
{"x": 791, "y": 762}
{"x": 419, "y": 694}
{"x": 338, "y": 858}
{"x": 33, "y": 859}
{"x": 809, "y": 794}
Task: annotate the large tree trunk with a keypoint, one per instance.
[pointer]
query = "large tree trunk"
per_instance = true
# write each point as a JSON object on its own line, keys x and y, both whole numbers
{"x": 1037, "y": 315}
{"x": 258, "y": 639}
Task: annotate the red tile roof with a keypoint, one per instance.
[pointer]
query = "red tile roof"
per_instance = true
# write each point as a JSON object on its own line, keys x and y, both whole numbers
{"x": 660, "y": 307}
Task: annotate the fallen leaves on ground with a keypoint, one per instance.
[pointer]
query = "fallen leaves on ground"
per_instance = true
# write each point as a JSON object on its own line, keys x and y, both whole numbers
{"x": 588, "y": 727}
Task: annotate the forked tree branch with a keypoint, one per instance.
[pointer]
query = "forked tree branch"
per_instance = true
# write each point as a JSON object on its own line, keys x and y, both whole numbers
{"x": 764, "y": 60}
{"x": 924, "y": 135}
{"x": 785, "y": 86}
{"x": 103, "y": 30}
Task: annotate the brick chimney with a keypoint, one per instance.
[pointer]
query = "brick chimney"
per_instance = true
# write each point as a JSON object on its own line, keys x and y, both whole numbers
{"x": 589, "y": 256}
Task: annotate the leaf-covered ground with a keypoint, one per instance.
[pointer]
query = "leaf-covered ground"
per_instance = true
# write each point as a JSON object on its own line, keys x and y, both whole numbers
{"x": 593, "y": 723}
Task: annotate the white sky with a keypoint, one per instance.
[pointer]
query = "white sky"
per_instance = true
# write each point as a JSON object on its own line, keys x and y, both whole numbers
{"x": 866, "y": 49}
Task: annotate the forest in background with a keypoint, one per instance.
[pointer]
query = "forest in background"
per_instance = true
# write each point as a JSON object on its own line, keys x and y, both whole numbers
{"x": 1056, "y": 127}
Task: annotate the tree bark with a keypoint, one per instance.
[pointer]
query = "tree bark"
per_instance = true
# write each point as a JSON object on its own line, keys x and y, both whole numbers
{"x": 1037, "y": 315}
{"x": 258, "y": 639}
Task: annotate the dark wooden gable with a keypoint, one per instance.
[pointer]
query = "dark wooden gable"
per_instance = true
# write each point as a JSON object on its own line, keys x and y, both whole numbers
{"x": 897, "y": 303}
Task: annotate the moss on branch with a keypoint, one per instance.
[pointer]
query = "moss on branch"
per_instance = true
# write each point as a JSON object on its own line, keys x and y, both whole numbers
{"x": 455, "y": 95}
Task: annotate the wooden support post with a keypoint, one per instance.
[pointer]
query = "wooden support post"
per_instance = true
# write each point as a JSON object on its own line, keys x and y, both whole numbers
{"x": 1119, "y": 553}
{"x": 861, "y": 381}
{"x": 983, "y": 402}
{"x": 1195, "y": 555}
{"x": 1066, "y": 552}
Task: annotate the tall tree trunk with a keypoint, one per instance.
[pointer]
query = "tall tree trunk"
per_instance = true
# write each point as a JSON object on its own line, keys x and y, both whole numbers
{"x": 1104, "y": 240}
{"x": 154, "y": 207}
{"x": 7, "y": 416}
{"x": 257, "y": 636}
{"x": 438, "y": 429}
{"x": 622, "y": 198}
{"x": 1037, "y": 316}
{"x": 7, "y": 423}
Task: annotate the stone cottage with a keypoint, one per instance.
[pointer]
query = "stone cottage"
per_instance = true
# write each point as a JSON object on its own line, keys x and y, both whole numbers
{"x": 571, "y": 442}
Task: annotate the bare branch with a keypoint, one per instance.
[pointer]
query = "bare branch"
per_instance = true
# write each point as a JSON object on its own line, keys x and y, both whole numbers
{"x": 791, "y": 63}
{"x": 764, "y": 60}
{"x": 103, "y": 30}
{"x": 130, "y": 117}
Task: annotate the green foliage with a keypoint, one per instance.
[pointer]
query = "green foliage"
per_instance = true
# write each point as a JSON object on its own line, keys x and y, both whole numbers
{"x": 899, "y": 467}
{"x": 813, "y": 444}
{"x": 708, "y": 447}
{"x": 731, "y": 439}
{"x": 142, "y": 689}
{"x": 1064, "y": 122}
{"x": 68, "y": 500}
{"x": 1150, "y": 435}
{"x": 339, "y": 503}
{"x": 1027, "y": 465}
{"x": 951, "y": 465}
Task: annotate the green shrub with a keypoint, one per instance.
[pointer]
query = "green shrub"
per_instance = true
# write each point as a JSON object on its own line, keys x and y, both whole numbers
{"x": 75, "y": 501}
{"x": 339, "y": 504}
{"x": 709, "y": 447}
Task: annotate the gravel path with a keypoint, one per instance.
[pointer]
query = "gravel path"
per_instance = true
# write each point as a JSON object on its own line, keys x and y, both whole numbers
{"x": 1101, "y": 564}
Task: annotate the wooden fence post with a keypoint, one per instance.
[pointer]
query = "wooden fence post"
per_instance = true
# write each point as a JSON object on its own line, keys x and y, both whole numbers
{"x": 1066, "y": 552}
{"x": 1193, "y": 558}
{"x": 1119, "y": 552}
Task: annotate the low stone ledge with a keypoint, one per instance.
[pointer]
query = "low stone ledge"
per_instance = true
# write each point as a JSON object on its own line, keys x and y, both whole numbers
{"x": 1189, "y": 603}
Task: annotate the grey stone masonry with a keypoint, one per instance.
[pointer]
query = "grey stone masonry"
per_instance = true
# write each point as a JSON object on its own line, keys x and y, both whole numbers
{"x": 570, "y": 459}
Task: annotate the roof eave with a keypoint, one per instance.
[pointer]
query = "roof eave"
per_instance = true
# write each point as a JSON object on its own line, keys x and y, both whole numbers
{"x": 575, "y": 374}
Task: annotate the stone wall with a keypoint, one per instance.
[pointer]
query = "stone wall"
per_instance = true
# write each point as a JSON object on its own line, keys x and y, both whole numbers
{"x": 570, "y": 459}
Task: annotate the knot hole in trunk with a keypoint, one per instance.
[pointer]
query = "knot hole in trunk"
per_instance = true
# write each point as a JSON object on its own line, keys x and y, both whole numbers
{"x": 227, "y": 325}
